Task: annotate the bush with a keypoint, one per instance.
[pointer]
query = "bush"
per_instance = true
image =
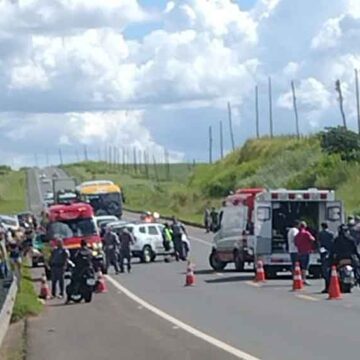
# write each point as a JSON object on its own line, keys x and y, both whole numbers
{"x": 339, "y": 140}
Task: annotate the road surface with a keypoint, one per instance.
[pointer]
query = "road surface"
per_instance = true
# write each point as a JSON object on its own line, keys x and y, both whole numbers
{"x": 150, "y": 314}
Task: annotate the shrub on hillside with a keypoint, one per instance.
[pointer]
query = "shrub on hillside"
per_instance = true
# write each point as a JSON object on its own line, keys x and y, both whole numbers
{"x": 339, "y": 140}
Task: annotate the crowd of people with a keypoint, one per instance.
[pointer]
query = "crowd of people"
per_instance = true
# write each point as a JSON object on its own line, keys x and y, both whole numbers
{"x": 333, "y": 249}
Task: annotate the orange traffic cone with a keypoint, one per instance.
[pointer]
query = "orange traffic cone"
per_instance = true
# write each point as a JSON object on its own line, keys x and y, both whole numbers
{"x": 44, "y": 289}
{"x": 260, "y": 273}
{"x": 190, "y": 277}
{"x": 297, "y": 281}
{"x": 334, "y": 288}
{"x": 101, "y": 284}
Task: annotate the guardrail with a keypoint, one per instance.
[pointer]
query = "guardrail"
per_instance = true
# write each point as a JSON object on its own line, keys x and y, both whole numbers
{"x": 7, "y": 308}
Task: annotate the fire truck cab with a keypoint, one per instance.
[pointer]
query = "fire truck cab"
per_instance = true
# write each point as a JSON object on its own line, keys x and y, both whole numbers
{"x": 72, "y": 223}
{"x": 276, "y": 211}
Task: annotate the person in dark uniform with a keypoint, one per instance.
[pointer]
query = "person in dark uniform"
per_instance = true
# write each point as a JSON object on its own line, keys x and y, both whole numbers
{"x": 58, "y": 262}
{"x": 126, "y": 240}
{"x": 112, "y": 245}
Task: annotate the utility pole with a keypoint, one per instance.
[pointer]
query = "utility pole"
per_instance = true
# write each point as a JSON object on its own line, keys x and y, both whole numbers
{"x": 61, "y": 157}
{"x": 221, "y": 140}
{"x": 36, "y": 160}
{"x": 155, "y": 168}
{"x": 231, "y": 127}
{"x": 295, "y": 110}
{"x": 257, "y": 112}
{"x": 357, "y": 98}
{"x": 85, "y": 153}
{"x": 271, "y": 109}
{"x": 135, "y": 160}
{"x": 210, "y": 145}
{"x": 341, "y": 102}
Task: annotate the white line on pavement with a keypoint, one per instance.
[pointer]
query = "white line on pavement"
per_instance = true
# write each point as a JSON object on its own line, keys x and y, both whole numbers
{"x": 306, "y": 297}
{"x": 211, "y": 340}
{"x": 207, "y": 243}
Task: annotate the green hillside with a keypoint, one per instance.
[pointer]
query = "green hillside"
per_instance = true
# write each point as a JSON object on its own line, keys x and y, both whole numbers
{"x": 330, "y": 161}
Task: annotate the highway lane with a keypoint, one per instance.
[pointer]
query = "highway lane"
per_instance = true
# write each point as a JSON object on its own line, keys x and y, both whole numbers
{"x": 111, "y": 327}
{"x": 269, "y": 322}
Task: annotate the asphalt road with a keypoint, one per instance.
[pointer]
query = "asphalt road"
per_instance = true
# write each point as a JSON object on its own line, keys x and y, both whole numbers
{"x": 267, "y": 321}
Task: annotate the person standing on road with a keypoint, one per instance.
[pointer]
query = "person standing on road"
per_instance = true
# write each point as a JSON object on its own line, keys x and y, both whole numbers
{"x": 293, "y": 231}
{"x": 178, "y": 230}
{"x": 326, "y": 242}
{"x": 112, "y": 245}
{"x": 58, "y": 262}
{"x": 3, "y": 255}
{"x": 304, "y": 242}
{"x": 14, "y": 250}
{"x": 126, "y": 240}
{"x": 214, "y": 216}
{"x": 167, "y": 236}
{"x": 207, "y": 219}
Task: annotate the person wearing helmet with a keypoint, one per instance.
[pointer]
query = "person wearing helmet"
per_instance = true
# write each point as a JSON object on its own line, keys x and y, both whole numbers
{"x": 345, "y": 248}
{"x": 178, "y": 230}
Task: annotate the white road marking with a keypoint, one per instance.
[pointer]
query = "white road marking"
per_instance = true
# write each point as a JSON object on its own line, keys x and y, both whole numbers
{"x": 254, "y": 284}
{"x": 191, "y": 330}
{"x": 306, "y": 297}
{"x": 207, "y": 243}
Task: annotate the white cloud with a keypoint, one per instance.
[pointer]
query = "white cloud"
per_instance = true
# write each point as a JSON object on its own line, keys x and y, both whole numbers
{"x": 74, "y": 59}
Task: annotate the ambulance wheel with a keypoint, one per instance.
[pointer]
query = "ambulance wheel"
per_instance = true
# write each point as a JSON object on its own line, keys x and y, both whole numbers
{"x": 270, "y": 273}
{"x": 215, "y": 263}
{"x": 238, "y": 261}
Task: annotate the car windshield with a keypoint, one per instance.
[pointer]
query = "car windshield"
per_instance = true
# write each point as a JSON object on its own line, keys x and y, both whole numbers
{"x": 72, "y": 228}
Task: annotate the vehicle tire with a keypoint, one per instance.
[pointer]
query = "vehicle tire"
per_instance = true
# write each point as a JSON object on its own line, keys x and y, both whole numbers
{"x": 153, "y": 257}
{"x": 269, "y": 273}
{"x": 88, "y": 296}
{"x": 316, "y": 273}
{"x": 345, "y": 288}
{"x": 146, "y": 254}
{"x": 76, "y": 298}
{"x": 215, "y": 263}
{"x": 238, "y": 261}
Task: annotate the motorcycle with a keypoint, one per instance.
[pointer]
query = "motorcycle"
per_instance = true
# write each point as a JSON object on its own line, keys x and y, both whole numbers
{"x": 347, "y": 277}
{"x": 82, "y": 286}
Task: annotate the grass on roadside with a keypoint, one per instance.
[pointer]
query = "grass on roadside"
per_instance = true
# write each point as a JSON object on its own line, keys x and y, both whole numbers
{"x": 12, "y": 192}
{"x": 27, "y": 302}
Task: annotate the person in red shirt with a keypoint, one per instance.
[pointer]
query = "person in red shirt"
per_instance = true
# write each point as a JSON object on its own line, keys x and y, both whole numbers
{"x": 304, "y": 242}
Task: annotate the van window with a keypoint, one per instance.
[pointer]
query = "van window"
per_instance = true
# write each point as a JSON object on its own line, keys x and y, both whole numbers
{"x": 142, "y": 229}
{"x": 153, "y": 230}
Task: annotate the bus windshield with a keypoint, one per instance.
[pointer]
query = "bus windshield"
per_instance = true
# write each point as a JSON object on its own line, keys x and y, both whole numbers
{"x": 72, "y": 228}
{"x": 105, "y": 204}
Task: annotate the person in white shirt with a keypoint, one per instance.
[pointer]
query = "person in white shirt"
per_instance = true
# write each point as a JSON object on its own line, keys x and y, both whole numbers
{"x": 293, "y": 231}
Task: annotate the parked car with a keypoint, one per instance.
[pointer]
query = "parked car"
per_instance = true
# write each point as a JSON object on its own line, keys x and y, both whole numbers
{"x": 149, "y": 241}
{"x": 9, "y": 222}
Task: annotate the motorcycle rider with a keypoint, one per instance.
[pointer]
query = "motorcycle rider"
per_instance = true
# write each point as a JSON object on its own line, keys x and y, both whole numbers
{"x": 82, "y": 262}
{"x": 326, "y": 242}
{"x": 345, "y": 248}
{"x": 111, "y": 245}
{"x": 126, "y": 239}
{"x": 178, "y": 230}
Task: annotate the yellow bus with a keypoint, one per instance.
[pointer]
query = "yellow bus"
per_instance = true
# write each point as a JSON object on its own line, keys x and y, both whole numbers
{"x": 104, "y": 196}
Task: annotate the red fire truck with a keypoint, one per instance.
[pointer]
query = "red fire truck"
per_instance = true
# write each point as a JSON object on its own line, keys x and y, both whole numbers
{"x": 72, "y": 223}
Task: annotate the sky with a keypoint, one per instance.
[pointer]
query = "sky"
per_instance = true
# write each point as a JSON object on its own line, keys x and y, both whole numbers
{"x": 155, "y": 74}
